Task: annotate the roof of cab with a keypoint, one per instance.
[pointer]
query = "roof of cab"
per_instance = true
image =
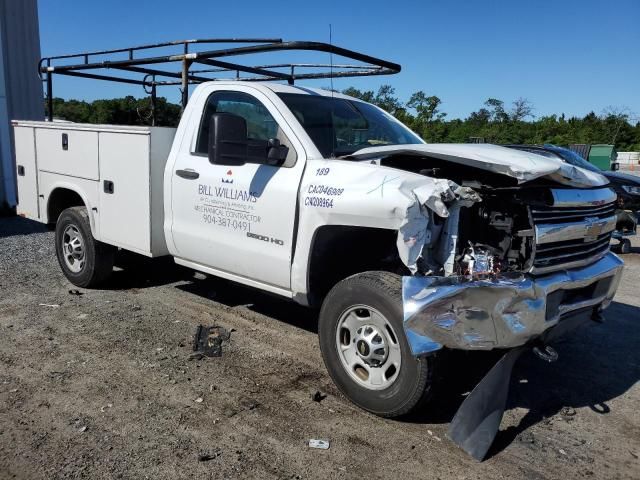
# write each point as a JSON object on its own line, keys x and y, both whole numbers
{"x": 283, "y": 88}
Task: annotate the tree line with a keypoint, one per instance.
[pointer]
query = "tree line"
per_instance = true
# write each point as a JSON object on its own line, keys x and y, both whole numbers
{"x": 493, "y": 122}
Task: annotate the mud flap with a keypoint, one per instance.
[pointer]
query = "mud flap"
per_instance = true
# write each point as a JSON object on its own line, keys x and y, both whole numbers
{"x": 476, "y": 422}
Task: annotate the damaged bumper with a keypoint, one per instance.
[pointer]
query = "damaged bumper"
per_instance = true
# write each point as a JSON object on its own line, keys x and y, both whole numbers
{"x": 503, "y": 311}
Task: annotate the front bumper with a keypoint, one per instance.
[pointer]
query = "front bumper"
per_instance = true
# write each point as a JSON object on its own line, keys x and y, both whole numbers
{"x": 503, "y": 311}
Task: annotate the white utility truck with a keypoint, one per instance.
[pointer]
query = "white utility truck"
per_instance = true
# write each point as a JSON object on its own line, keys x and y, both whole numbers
{"x": 407, "y": 248}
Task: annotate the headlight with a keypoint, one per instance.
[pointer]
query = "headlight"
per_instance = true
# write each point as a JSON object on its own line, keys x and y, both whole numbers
{"x": 631, "y": 189}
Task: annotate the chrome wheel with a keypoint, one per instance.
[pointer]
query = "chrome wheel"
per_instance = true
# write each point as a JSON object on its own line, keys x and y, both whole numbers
{"x": 368, "y": 347}
{"x": 73, "y": 250}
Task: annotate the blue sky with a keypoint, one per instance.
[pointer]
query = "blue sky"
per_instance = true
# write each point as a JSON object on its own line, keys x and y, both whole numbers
{"x": 564, "y": 56}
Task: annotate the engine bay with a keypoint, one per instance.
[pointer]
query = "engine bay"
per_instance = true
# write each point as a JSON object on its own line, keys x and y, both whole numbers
{"x": 491, "y": 236}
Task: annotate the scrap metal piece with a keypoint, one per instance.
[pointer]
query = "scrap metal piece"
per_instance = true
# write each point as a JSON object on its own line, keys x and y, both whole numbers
{"x": 208, "y": 340}
{"x": 477, "y": 420}
{"x": 321, "y": 444}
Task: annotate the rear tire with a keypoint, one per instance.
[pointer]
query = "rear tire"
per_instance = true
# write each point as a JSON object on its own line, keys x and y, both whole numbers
{"x": 365, "y": 349}
{"x": 85, "y": 261}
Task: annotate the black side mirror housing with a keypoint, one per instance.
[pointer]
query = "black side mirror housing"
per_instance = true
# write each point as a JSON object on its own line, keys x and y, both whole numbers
{"x": 227, "y": 139}
{"x": 615, "y": 166}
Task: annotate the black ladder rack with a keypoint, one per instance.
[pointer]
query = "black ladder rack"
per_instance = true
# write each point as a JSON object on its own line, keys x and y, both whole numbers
{"x": 151, "y": 78}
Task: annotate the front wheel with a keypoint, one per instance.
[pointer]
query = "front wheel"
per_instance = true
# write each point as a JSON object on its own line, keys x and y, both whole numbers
{"x": 365, "y": 349}
{"x": 85, "y": 261}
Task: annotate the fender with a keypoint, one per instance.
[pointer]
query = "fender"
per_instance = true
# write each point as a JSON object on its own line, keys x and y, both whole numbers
{"x": 85, "y": 189}
{"x": 361, "y": 194}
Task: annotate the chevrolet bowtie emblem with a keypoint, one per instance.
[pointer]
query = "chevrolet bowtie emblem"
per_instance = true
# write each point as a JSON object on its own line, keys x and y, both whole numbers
{"x": 594, "y": 228}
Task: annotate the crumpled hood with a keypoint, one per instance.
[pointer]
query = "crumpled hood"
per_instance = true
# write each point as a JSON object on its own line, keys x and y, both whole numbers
{"x": 521, "y": 165}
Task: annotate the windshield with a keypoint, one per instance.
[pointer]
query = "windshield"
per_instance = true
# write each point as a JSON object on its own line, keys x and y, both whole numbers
{"x": 573, "y": 158}
{"x": 340, "y": 127}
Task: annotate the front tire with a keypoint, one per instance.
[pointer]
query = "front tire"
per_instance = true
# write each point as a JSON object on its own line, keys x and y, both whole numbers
{"x": 85, "y": 261}
{"x": 365, "y": 349}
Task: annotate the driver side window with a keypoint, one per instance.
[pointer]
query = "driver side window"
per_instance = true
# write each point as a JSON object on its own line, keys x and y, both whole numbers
{"x": 260, "y": 124}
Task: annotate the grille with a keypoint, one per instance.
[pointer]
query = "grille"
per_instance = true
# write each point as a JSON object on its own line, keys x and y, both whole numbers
{"x": 570, "y": 214}
{"x": 582, "y": 246}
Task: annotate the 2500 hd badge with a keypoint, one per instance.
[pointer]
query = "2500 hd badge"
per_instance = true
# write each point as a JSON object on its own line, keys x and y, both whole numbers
{"x": 265, "y": 239}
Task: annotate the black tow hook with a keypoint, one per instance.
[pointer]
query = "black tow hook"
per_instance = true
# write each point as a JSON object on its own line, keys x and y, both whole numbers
{"x": 597, "y": 316}
{"x": 546, "y": 353}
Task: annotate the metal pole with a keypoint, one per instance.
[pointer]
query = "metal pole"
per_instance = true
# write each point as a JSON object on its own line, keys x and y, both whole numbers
{"x": 50, "y": 96}
{"x": 153, "y": 103}
{"x": 185, "y": 82}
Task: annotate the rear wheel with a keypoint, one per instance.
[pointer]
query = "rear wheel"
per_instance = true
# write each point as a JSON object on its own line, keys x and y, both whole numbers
{"x": 85, "y": 261}
{"x": 364, "y": 346}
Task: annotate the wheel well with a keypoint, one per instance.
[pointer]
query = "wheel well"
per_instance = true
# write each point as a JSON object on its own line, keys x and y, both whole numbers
{"x": 61, "y": 199}
{"x": 339, "y": 251}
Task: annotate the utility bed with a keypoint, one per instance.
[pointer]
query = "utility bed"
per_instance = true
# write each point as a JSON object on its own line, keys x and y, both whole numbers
{"x": 120, "y": 170}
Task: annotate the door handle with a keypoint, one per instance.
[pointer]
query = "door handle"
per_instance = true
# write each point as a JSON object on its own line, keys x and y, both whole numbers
{"x": 188, "y": 174}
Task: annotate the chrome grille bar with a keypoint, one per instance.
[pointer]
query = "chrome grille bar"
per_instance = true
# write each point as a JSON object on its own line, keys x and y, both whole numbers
{"x": 575, "y": 230}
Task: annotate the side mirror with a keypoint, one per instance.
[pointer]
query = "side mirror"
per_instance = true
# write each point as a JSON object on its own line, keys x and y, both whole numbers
{"x": 227, "y": 139}
{"x": 276, "y": 152}
{"x": 615, "y": 166}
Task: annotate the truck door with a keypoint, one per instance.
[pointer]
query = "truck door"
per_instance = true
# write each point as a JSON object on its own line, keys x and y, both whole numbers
{"x": 239, "y": 219}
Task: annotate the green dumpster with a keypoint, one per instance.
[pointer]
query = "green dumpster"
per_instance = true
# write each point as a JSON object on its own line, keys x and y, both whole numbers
{"x": 602, "y": 156}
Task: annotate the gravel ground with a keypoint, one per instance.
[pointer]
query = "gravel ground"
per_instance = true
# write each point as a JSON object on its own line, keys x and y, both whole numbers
{"x": 100, "y": 385}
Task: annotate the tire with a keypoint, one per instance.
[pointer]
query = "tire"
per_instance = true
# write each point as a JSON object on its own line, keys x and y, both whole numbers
{"x": 350, "y": 321}
{"x": 85, "y": 261}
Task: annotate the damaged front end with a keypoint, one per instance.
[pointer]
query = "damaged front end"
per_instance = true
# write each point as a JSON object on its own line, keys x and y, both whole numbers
{"x": 502, "y": 250}
{"x": 511, "y": 255}
{"x": 505, "y": 265}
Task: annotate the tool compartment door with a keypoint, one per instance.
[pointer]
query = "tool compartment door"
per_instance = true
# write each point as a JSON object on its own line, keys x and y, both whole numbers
{"x": 69, "y": 152}
{"x": 27, "y": 172}
{"x": 124, "y": 191}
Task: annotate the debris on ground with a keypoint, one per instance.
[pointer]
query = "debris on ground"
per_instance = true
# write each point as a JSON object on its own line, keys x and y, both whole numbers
{"x": 568, "y": 412}
{"x": 207, "y": 456}
{"x": 208, "y": 341}
{"x": 526, "y": 437}
{"x": 321, "y": 444}
{"x": 318, "y": 396}
{"x": 50, "y": 305}
{"x": 104, "y": 408}
{"x": 199, "y": 400}
{"x": 75, "y": 292}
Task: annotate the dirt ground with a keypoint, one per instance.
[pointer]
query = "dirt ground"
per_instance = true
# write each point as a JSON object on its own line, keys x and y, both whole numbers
{"x": 100, "y": 385}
